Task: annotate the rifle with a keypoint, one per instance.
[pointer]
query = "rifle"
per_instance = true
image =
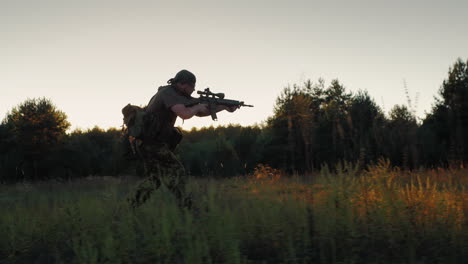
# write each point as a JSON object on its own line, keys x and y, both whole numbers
{"x": 213, "y": 100}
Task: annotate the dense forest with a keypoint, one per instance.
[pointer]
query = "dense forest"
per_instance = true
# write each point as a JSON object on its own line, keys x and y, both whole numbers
{"x": 313, "y": 124}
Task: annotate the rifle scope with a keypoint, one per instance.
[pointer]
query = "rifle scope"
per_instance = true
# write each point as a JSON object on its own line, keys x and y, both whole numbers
{"x": 207, "y": 93}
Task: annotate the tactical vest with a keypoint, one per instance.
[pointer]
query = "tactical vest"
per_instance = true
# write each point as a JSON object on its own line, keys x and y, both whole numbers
{"x": 143, "y": 127}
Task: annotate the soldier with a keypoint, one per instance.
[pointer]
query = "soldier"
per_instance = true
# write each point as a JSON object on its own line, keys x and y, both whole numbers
{"x": 161, "y": 165}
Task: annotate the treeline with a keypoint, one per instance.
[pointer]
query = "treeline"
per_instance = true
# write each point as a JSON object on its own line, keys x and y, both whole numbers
{"x": 34, "y": 145}
{"x": 313, "y": 124}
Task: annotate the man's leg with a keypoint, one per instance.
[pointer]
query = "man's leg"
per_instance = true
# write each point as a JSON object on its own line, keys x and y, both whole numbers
{"x": 151, "y": 183}
{"x": 173, "y": 176}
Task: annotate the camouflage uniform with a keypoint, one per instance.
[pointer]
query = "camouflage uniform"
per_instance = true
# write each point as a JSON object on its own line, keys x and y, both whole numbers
{"x": 156, "y": 150}
{"x": 161, "y": 167}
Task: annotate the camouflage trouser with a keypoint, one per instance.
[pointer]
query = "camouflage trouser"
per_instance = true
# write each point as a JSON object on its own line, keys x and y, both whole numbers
{"x": 161, "y": 167}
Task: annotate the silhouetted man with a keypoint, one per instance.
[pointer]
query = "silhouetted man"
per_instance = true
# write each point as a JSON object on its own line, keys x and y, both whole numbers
{"x": 161, "y": 164}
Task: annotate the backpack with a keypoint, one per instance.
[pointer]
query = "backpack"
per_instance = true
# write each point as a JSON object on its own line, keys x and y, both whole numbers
{"x": 134, "y": 121}
{"x": 138, "y": 126}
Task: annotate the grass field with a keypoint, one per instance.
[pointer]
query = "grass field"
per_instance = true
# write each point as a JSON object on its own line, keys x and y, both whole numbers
{"x": 381, "y": 215}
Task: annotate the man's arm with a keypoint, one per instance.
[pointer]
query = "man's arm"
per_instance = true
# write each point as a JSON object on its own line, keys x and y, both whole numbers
{"x": 188, "y": 112}
{"x": 219, "y": 108}
{"x": 199, "y": 110}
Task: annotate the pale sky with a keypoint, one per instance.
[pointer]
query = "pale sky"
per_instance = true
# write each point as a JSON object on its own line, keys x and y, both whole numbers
{"x": 91, "y": 58}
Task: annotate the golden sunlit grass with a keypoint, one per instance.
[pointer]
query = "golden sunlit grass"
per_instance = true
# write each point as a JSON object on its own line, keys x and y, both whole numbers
{"x": 428, "y": 197}
{"x": 344, "y": 215}
{"x": 406, "y": 206}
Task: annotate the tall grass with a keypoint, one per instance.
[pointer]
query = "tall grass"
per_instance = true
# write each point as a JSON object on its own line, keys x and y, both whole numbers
{"x": 381, "y": 215}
